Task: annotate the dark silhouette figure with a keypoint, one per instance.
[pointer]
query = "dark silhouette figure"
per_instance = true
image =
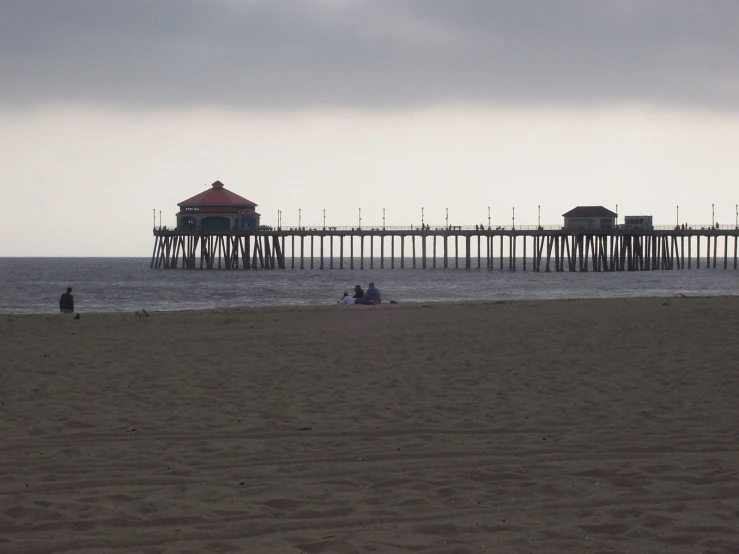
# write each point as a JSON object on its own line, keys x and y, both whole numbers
{"x": 66, "y": 302}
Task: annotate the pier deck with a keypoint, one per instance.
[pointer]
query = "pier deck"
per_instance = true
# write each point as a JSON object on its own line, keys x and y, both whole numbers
{"x": 535, "y": 248}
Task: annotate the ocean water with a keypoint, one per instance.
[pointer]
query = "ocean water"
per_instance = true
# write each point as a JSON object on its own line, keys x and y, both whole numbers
{"x": 33, "y": 285}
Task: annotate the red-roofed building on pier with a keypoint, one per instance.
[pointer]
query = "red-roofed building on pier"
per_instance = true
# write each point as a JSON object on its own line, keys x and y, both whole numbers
{"x": 217, "y": 210}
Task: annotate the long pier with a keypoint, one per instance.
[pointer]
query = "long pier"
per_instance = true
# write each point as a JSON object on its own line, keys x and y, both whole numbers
{"x": 535, "y": 248}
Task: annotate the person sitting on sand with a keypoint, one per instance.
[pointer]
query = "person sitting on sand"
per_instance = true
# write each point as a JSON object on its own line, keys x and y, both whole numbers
{"x": 66, "y": 302}
{"x": 372, "y": 296}
{"x": 358, "y": 292}
{"x": 346, "y": 299}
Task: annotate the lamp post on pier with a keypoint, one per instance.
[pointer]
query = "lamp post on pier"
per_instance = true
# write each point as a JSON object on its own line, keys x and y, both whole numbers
{"x": 360, "y": 219}
{"x": 300, "y": 218}
{"x": 539, "y": 219}
{"x": 324, "y": 219}
{"x": 513, "y": 219}
{"x": 383, "y": 219}
{"x": 713, "y": 216}
{"x": 677, "y": 216}
{"x": 447, "y": 218}
{"x": 488, "y": 218}
{"x": 422, "y": 217}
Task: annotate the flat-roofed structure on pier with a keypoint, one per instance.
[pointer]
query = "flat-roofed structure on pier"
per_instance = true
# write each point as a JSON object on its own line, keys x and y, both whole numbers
{"x": 637, "y": 222}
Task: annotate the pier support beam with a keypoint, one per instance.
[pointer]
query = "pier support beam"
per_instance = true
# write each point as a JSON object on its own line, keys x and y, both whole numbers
{"x": 582, "y": 250}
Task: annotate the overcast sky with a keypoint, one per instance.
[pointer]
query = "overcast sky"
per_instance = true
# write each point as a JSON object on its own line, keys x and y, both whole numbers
{"x": 109, "y": 109}
{"x": 386, "y": 53}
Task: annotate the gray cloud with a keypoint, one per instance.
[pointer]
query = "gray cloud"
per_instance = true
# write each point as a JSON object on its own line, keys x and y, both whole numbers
{"x": 384, "y": 53}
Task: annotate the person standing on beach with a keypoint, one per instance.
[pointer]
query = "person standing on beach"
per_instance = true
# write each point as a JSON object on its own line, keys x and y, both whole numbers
{"x": 66, "y": 302}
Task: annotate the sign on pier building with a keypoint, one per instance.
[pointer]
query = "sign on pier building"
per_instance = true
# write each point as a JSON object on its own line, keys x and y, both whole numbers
{"x": 217, "y": 210}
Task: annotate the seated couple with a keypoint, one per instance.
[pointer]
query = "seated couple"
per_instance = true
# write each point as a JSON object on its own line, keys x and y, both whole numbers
{"x": 372, "y": 296}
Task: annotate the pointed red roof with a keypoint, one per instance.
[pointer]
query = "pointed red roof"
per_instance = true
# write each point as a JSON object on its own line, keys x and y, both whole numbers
{"x": 217, "y": 195}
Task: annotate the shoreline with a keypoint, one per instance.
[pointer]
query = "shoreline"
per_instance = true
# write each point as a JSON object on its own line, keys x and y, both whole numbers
{"x": 383, "y": 305}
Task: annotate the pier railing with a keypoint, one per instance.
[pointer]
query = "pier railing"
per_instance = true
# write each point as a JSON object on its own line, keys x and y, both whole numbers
{"x": 439, "y": 229}
{"x": 550, "y": 248}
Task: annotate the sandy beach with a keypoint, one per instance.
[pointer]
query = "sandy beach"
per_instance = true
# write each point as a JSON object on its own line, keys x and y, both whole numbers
{"x": 559, "y": 426}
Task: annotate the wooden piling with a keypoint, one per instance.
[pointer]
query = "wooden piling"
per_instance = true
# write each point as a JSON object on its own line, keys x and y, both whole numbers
{"x": 577, "y": 250}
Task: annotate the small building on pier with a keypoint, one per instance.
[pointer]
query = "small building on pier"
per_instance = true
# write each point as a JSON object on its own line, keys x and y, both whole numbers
{"x": 590, "y": 218}
{"x": 637, "y": 223}
{"x": 217, "y": 210}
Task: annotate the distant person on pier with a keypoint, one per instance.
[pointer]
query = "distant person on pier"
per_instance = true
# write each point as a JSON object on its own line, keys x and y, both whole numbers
{"x": 372, "y": 296}
{"x": 358, "y": 292}
{"x": 66, "y": 302}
